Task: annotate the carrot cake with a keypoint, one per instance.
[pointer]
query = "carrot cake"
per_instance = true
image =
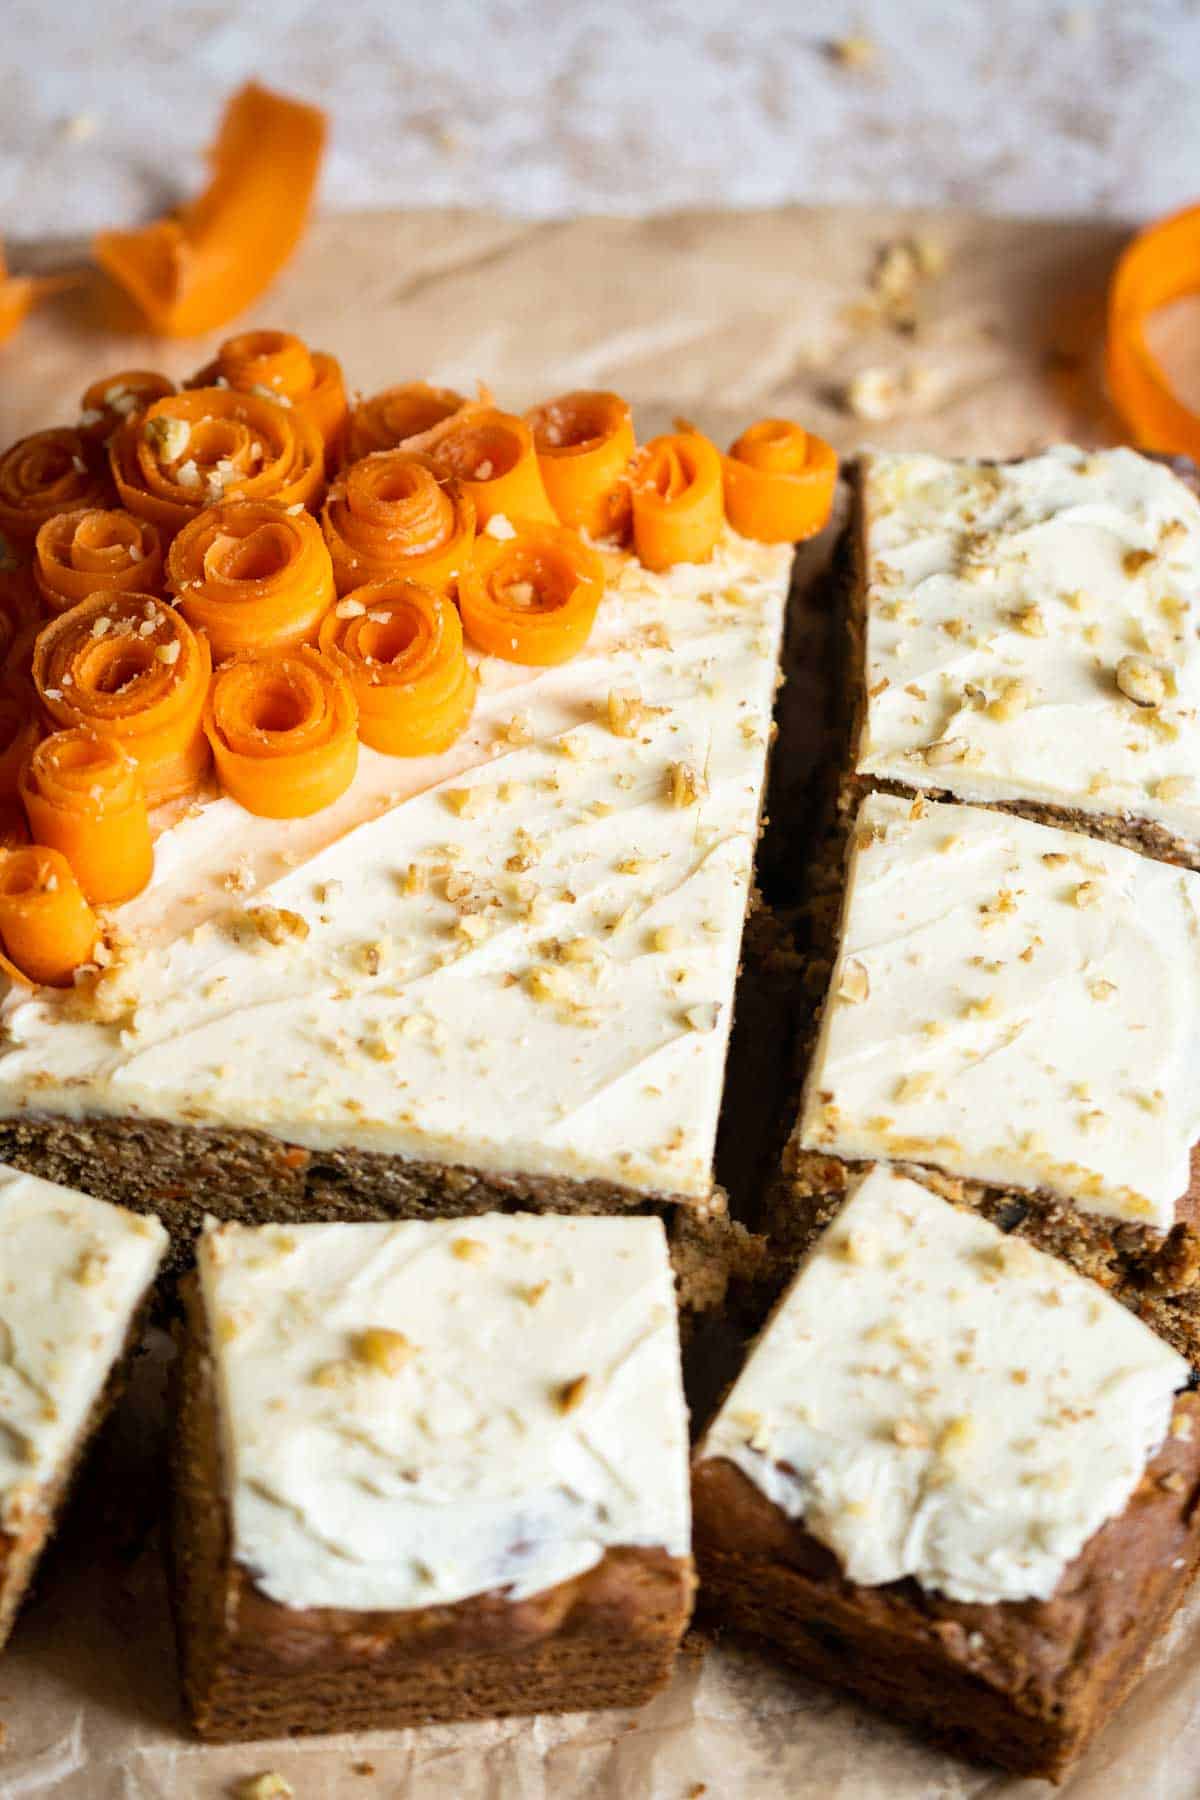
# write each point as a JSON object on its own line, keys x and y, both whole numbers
{"x": 955, "y": 1477}
{"x": 1024, "y": 634}
{"x": 429, "y": 1470}
{"x": 74, "y": 1273}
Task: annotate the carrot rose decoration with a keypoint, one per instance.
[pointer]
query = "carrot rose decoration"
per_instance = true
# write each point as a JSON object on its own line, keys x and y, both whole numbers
{"x": 382, "y": 421}
{"x": 83, "y": 796}
{"x": 191, "y": 450}
{"x": 779, "y": 482}
{"x": 253, "y": 576}
{"x": 95, "y": 551}
{"x": 491, "y": 454}
{"x": 531, "y": 598}
{"x": 400, "y": 645}
{"x": 129, "y": 667}
{"x": 390, "y": 517}
{"x": 194, "y": 272}
{"x": 284, "y": 732}
{"x": 585, "y": 445}
{"x": 47, "y": 927}
{"x": 47, "y": 473}
{"x": 283, "y": 368}
{"x": 678, "y": 510}
{"x": 115, "y": 398}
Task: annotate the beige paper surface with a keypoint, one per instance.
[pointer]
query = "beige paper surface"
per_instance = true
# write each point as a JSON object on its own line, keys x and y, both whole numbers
{"x": 719, "y": 318}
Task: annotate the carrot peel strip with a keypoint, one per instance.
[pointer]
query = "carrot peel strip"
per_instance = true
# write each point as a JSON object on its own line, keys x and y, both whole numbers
{"x": 83, "y": 796}
{"x": 384, "y": 421}
{"x": 1161, "y": 265}
{"x": 390, "y": 517}
{"x": 585, "y": 445}
{"x": 400, "y": 645}
{"x": 252, "y": 576}
{"x": 92, "y": 551}
{"x": 46, "y": 473}
{"x": 283, "y": 726}
{"x": 128, "y": 667}
{"x": 280, "y": 366}
{"x": 491, "y": 455}
{"x": 531, "y": 598}
{"x": 678, "y": 506}
{"x": 779, "y": 482}
{"x": 195, "y": 272}
{"x": 47, "y": 927}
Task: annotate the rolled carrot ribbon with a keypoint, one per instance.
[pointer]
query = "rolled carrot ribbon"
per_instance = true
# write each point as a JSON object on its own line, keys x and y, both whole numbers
{"x": 253, "y": 576}
{"x": 779, "y": 482}
{"x": 283, "y": 726}
{"x": 281, "y": 366}
{"x": 47, "y": 927}
{"x": 108, "y": 402}
{"x": 492, "y": 456}
{"x": 195, "y": 449}
{"x": 129, "y": 667}
{"x": 46, "y": 473}
{"x": 678, "y": 507}
{"x": 400, "y": 645}
{"x": 531, "y": 598}
{"x": 585, "y": 445}
{"x": 94, "y": 551}
{"x": 384, "y": 421}
{"x": 19, "y": 732}
{"x": 389, "y": 517}
{"x": 1161, "y": 265}
{"x": 83, "y": 796}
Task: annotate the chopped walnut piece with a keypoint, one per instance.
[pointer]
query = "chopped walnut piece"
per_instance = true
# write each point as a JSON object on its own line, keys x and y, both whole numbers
{"x": 1012, "y": 700}
{"x": 470, "y": 1250}
{"x": 1088, "y": 893}
{"x": 519, "y": 729}
{"x": 855, "y": 984}
{"x": 570, "y": 1394}
{"x": 945, "y": 750}
{"x": 383, "y": 1349}
{"x": 1134, "y": 561}
{"x": 686, "y": 786}
{"x": 167, "y": 437}
{"x": 1144, "y": 682}
{"x": 277, "y": 924}
{"x": 1031, "y": 620}
{"x": 911, "y": 1434}
{"x": 271, "y": 1785}
{"x": 1173, "y": 787}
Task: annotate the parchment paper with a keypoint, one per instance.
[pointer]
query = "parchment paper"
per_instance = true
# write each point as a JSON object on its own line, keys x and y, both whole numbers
{"x": 717, "y": 317}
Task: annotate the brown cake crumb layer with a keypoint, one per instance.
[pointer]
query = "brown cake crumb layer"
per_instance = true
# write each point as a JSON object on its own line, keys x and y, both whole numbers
{"x": 253, "y": 1668}
{"x": 1025, "y": 1684}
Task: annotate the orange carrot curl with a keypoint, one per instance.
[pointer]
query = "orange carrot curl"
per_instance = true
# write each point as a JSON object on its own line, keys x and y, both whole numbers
{"x": 191, "y": 450}
{"x": 383, "y": 421}
{"x": 108, "y": 402}
{"x": 129, "y": 667}
{"x": 46, "y": 473}
{"x": 253, "y": 576}
{"x": 779, "y": 482}
{"x": 83, "y": 796}
{"x": 47, "y": 927}
{"x": 282, "y": 367}
{"x": 491, "y": 454}
{"x": 195, "y": 271}
{"x": 283, "y": 726}
{"x": 389, "y": 517}
{"x": 93, "y": 551}
{"x": 1159, "y": 266}
{"x": 585, "y": 445}
{"x": 400, "y": 645}
{"x": 531, "y": 598}
{"x": 678, "y": 509}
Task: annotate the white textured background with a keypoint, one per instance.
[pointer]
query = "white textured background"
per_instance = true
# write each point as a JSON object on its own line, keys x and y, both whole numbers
{"x": 551, "y": 107}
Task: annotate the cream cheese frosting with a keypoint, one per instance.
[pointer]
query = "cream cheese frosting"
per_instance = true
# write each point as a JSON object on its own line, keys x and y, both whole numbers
{"x": 1031, "y": 632}
{"x": 412, "y": 1414}
{"x": 519, "y": 955}
{"x": 73, "y": 1271}
{"x": 936, "y": 1400}
{"x": 1012, "y": 1003}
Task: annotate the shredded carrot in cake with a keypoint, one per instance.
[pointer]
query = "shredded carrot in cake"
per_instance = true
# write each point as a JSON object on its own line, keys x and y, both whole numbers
{"x": 281, "y": 365}
{"x": 45, "y": 473}
{"x": 400, "y": 644}
{"x": 46, "y": 926}
{"x": 585, "y": 446}
{"x": 129, "y": 667}
{"x": 108, "y": 402}
{"x": 283, "y": 726}
{"x": 384, "y": 421}
{"x": 678, "y": 509}
{"x": 198, "y": 270}
{"x": 92, "y": 551}
{"x": 252, "y": 575}
{"x": 389, "y": 516}
{"x": 83, "y": 796}
{"x": 193, "y": 449}
{"x": 779, "y": 482}
{"x": 531, "y": 598}
{"x": 492, "y": 455}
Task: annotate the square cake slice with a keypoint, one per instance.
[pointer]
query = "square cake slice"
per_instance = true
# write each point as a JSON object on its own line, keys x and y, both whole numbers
{"x": 1024, "y": 634}
{"x": 1017, "y": 1007}
{"x": 955, "y": 1477}
{"x": 74, "y": 1273}
{"x": 429, "y": 1470}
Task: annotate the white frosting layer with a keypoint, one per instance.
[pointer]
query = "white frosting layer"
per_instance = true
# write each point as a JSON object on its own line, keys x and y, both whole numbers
{"x": 529, "y": 1418}
{"x": 1002, "y": 603}
{"x": 73, "y": 1271}
{"x": 1013, "y": 1003}
{"x": 520, "y": 955}
{"x": 939, "y": 1401}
